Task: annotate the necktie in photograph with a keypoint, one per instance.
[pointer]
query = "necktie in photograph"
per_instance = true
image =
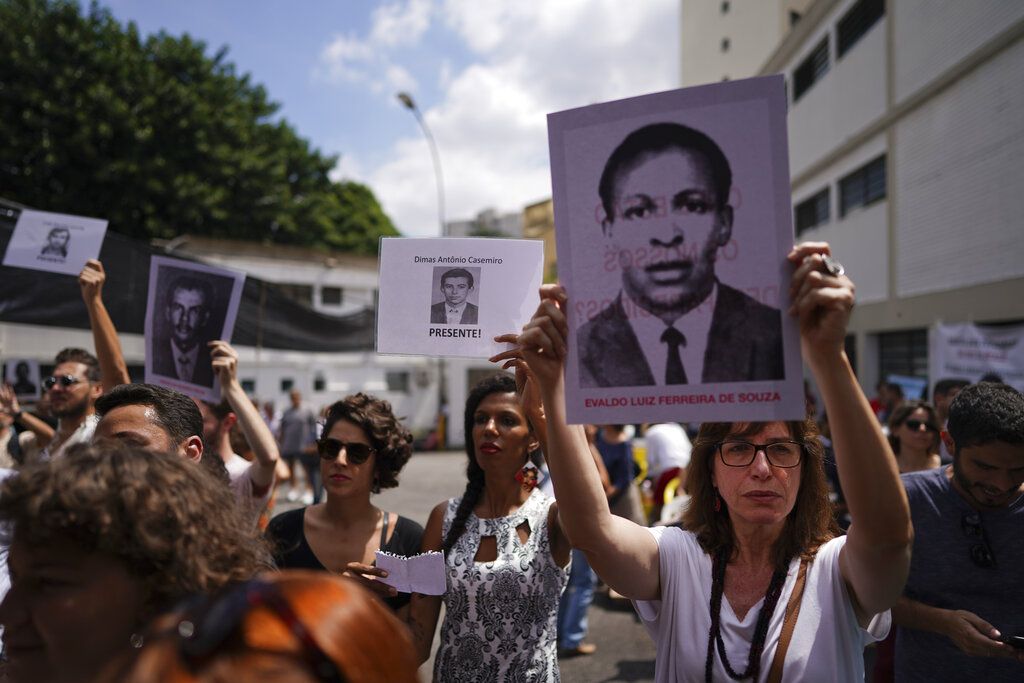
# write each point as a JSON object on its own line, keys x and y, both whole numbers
{"x": 675, "y": 373}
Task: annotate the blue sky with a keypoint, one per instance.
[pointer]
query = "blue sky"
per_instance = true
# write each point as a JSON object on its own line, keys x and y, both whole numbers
{"x": 484, "y": 72}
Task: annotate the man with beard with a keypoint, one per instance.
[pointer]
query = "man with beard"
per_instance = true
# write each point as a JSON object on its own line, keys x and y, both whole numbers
{"x": 964, "y": 595}
{"x": 187, "y": 312}
{"x": 665, "y": 192}
{"x": 72, "y": 391}
{"x": 251, "y": 482}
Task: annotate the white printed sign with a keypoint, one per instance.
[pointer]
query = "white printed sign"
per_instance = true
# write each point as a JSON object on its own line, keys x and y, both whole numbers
{"x": 969, "y": 351}
{"x": 54, "y": 242}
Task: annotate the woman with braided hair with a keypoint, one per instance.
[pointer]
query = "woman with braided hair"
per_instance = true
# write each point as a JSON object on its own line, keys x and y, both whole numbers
{"x": 755, "y": 585}
{"x": 505, "y": 553}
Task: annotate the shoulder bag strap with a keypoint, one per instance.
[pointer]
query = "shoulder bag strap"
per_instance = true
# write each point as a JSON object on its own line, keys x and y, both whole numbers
{"x": 384, "y": 528}
{"x": 788, "y": 624}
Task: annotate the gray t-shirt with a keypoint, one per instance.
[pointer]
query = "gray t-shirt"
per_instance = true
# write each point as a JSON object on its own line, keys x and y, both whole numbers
{"x": 942, "y": 574}
{"x": 298, "y": 429}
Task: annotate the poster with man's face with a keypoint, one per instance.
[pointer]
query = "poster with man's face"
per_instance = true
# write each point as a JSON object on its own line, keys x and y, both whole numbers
{"x": 22, "y": 374}
{"x": 452, "y": 296}
{"x": 189, "y": 305}
{"x": 54, "y": 242}
{"x": 673, "y": 223}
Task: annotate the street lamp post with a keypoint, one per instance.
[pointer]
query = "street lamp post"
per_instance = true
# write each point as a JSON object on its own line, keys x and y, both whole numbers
{"x": 442, "y": 384}
{"x": 410, "y": 104}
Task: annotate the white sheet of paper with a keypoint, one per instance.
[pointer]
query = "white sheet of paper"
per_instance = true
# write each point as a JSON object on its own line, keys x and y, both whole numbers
{"x": 23, "y": 376}
{"x": 191, "y": 304}
{"x": 674, "y": 209}
{"x": 423, "y": 573}
{"x": 452, "y": 296}
{"x": 55, "y": 242}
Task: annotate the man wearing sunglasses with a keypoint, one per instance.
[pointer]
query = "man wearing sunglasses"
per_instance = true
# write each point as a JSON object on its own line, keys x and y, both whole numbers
{"x": 72, "y": 390}
{"x": 965, "y": 592}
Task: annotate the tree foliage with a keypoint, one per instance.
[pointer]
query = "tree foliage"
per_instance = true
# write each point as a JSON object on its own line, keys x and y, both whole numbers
{"x": 159, "y": 137}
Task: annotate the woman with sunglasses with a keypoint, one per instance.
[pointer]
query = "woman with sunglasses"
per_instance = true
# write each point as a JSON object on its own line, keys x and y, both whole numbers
{"x": 722, "y": 596}
{"x": 362, "y": 450}
{"x": 505, "y": 553}
{"x": 914, "y": 436}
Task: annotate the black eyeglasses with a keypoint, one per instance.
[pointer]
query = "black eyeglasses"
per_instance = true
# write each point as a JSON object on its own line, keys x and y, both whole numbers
{"x": 980, "y": 552}
{"x": 211, "y": 622}
{"x": 916, "y": 425}
{"x": 65, "y": 381}
{"x": 355, "y": 453}
{"x": 779, "y": 453}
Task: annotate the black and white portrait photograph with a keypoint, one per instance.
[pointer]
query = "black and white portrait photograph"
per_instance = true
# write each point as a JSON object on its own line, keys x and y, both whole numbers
{"x": 673, "y": 222}
{"x": 189, "y": 306}
{"x": 55, "y": 242}
{"x": 22, "y": 374}
{"x": 456, "y": 291}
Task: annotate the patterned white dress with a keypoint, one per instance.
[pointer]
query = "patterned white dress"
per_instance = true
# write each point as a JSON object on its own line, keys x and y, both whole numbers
{"x": 500, "y": 622}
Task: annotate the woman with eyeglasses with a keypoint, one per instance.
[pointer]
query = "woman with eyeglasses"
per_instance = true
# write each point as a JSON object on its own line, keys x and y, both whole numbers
{"x": 756, "y": 584}
{"x": 914, "y": 436}
{"x": 362, "y": 450}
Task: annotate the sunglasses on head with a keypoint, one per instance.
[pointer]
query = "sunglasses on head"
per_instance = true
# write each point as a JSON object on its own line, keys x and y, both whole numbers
{"x": 210, "y": 623}
{"x": 65, "y": 381}
{"x": 916, "y": 425}
{"x": 355, "y": 453}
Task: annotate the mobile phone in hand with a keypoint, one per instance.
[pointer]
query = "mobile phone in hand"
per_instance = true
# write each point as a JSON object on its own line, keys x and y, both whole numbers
{"x": 1016, "y": 642}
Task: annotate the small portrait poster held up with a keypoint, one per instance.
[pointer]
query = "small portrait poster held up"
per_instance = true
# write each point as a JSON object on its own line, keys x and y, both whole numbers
{"x": 54, "y": 242}
{"x": 23, "y": 376}
{"x": 673, "y": 223}
{"x": 188, "y": 306}
{"x": 451, "y": 296}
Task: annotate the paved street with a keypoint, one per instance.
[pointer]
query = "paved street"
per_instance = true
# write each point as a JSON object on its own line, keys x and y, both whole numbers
{"x": 624, "y": 651}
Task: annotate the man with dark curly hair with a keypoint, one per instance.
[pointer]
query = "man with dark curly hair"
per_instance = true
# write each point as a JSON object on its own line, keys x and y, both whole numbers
{"x": 964, "y": 593}
{"x": 104, "y": 540}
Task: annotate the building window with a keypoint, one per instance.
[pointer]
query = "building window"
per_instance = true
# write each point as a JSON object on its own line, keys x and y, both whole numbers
{"x": 864, "y": 186}
{"x": 397, "y": 381}
{"x": 903, "y": 353}
{"x": 330, "y": 296}
{"x": 856, "y": 22}
{"x": 287, "y": 384}
{"x": 301, "y": 293}
{"x": 811, "y": 70}
{"x": 725, "y": 44}
{"x": 812, "y": 212}
{"x": 249, "y": 386}
{"x": 319, "y": 383}
{"x": 725, "y": 6}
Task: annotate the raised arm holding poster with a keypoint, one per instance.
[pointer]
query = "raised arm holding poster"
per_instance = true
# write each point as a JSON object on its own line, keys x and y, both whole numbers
{"x": 189, "y": 305}
{"x": 55, "y": 242}
{"x": 452, "y": 296}
{"x": 673, "y": 224}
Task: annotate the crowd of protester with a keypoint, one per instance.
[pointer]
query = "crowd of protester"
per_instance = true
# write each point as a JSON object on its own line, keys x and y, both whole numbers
{"x": 138, "y": 548}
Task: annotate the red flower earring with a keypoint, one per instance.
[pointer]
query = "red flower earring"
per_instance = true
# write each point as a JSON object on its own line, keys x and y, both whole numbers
{"x": 528, "y": 477}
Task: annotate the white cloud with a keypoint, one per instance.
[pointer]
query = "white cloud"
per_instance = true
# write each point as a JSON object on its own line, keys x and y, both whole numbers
{"x": 533, "y": 57}
{"x": 400, "y": 23}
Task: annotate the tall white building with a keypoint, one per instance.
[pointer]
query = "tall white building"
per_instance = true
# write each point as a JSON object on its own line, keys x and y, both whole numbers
{"x": 907, "y": 155}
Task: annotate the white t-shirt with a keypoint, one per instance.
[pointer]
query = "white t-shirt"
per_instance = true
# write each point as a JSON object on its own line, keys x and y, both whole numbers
{"x": 667, "y": 447}
{"x": 81, "y": 435}
{"x": 827, "y": 643}
{"x": 240, "y": 475}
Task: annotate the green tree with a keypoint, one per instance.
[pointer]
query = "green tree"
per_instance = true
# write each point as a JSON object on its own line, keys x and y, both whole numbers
{"x": 159, "y": 137}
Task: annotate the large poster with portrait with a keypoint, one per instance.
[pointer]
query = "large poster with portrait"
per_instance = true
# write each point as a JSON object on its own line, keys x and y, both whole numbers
{"x": 188, "y": 306}
{"x": 451, "y": 296}
{"x": 673, "y": 223}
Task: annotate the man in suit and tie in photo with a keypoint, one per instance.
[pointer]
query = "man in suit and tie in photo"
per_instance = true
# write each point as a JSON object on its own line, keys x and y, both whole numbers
{"x": 456, "y": 285}
{"x": 185, "y": 355}
{"x": 665, "y": 194}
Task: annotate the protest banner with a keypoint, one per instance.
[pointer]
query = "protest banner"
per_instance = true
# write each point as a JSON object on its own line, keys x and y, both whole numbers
{"x": 54, "y": 242}
{"x": 673, "y": 223}
{"x": 970, "y": 351}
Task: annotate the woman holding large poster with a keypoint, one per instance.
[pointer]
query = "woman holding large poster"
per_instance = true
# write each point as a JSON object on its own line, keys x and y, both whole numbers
{"x": 723, "y": 598}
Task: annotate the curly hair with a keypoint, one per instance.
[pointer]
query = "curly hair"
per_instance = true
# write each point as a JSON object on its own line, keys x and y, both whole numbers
{"x": 501, "y": 383}
{"x": 356, "y": 632}
{"x": 809, "y": 524}
{"x": 902, "y": 413}
{"x": 164, "y": 517}
{"x": 986, "y": 412}
{"x": 388, "y": 436}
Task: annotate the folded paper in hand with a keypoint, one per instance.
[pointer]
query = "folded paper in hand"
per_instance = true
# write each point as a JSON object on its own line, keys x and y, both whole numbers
{"x": 422, "y": 574}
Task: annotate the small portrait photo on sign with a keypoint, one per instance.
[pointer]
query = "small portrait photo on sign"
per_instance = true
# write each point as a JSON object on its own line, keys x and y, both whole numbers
{"x": 22, "y": 374}
{"x": 190, "y": 305}
{"x": 456, "y": 296}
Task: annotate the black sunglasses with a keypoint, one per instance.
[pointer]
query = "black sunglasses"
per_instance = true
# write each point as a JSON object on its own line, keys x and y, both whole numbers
{"x": 916, "y": 425}
{"x": 210, "y": 623}
{"x": 980, "y": 552}
{"x": 65, "y": 381}
{"x": 355, "y": 453}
